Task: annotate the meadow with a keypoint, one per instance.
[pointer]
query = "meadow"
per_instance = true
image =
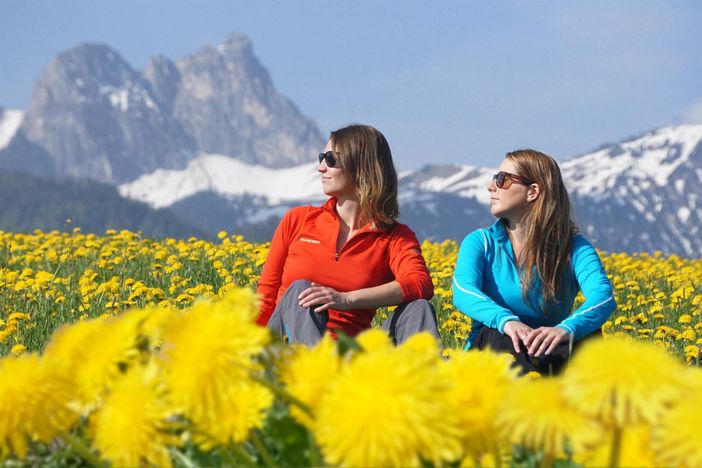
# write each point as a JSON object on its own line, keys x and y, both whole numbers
{"x": 163, "y": 333}
{"x": 47, "y": 279}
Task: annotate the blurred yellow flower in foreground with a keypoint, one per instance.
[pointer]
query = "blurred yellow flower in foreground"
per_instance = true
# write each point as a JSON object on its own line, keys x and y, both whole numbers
{"x": 388, "y": 408}
{"x": 34, "y": 398}
{"x": 241, "y": 409}
{"x": 535, "y": 415}
{"x": 621, "y": 382}
{"x": 479, "y": 380}
{"x": 677, "y": 439}
{"x": 111, "y": 345}
{"x": 307, "y": 373}
{"x": 131, "y": 427}
{"x": 208, "y": 354}
{"x": 635, "y": 449}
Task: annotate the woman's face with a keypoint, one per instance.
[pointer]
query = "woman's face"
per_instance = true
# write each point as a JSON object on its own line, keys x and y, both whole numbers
{"x": 335, "y": 181}
{"x": 512, "y": 200}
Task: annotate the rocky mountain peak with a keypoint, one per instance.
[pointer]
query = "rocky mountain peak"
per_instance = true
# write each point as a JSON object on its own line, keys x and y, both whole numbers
{"x": 96, "y": 117}
{"x": 236, "y": 45}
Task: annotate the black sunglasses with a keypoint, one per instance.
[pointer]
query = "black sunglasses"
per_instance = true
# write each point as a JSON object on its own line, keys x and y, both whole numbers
{"x": 504, "y": 179}
{"x": 328, "y": 157}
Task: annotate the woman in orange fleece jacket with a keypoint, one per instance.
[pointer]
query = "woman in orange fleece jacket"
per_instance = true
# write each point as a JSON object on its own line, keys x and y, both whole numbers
{"x": 331, "y": 266}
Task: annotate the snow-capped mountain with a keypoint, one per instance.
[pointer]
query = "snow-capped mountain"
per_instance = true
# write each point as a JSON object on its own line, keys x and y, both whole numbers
{"x": 10, "y": 120}
{"x": 208, "y": 137}
{"x": 642, "y": 194}
{"x": 93, "y": 116}
{"x": 227, "y": 177}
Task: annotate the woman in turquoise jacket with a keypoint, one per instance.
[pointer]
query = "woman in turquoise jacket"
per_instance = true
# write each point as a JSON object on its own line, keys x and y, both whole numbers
{"x": 517, "y": 280}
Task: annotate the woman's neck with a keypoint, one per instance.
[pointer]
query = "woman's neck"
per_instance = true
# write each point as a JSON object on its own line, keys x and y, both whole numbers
{"x": 517, "y": 232}
{"x": 349, "y": 212}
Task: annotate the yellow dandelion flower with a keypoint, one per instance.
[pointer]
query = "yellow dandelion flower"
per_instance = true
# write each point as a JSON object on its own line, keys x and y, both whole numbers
{"x": 621, "y": 382}
{"x": 155, "y": 322}
{"x": 207, "y": 353}
{"x": 131, "y": 427}
{"x": 535, "y": 414}
{"x": 96, "y": 352}
{"x": 34, "y": 398}
{"x": 388, "y": 407}
{"x": 479, "y": 380}
{"x": 17, "y": 349}
{"x": 685, "y": 318}
{"x": 692, "y": 352}
{"x": 239, "y": 413}
{"x": 676, "y": 439}
{"x": 308, "y": 373}
{"x": 688, "y": 334}
{"x": 635, "y": 449}
{"x": 374, "y": 339}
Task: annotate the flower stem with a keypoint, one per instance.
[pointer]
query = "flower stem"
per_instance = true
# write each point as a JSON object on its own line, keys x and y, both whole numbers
{"x": 315, "y": 456}
{"x": 262, "y": 450}
{"x": 546, "y": 460}
{"x": 283, "y": 394}
{"x": 498, "y": 458}
{"x": 616, "y": 446}
{"x": 175, "y": 453}
{"x": 81, "y": 449}
{"x": 239, "y": 453}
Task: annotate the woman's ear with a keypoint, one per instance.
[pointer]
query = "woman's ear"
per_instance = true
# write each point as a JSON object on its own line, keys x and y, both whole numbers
{"x": 533, "y": 193}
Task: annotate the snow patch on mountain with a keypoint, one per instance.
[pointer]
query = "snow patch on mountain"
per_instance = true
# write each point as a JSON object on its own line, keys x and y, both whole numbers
{"x": 653, "y": 156}
{"x": 228, "y": 177}
{"x": 10, "y": 120}
{"x": 464, "y": 181}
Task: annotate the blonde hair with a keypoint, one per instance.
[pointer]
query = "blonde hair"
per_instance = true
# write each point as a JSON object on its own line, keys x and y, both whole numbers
{"x": 364, "y": 153}
{"x": 550, "y": 228}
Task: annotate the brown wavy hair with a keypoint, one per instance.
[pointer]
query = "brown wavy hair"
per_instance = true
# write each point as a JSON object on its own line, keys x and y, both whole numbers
{"x": 364, "y": 153}
{"x": 550, "y": 227}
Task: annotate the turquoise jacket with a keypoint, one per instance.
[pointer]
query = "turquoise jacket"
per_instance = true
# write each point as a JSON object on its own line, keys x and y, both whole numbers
{"x": 487, "y": 287}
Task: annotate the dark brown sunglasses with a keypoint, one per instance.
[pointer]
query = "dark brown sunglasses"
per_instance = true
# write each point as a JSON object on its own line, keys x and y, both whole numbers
{"x": 504, "y": 179}
{"x": 328, "y": 157}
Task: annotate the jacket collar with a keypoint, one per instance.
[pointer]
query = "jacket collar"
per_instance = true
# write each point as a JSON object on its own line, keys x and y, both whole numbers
{"x": 330, "y": 206}
{"x": 499, "y": 229}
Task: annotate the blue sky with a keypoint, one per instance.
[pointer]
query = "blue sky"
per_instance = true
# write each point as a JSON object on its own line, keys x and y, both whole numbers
{"x": 446, "y": 81}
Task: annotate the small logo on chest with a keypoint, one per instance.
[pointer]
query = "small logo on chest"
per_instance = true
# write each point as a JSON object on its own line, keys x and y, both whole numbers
{"x": 308, "y": 240}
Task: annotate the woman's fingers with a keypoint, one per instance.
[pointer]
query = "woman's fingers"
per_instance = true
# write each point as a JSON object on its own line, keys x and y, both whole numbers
{"x": 532, "y": 335}
{"x": 554, "y": 345}
{"x": 548, "y": 340}
{"x": 536, "y": 341}
{"x": 323, "y": 307}
{"x": 517, "y": 331}
{"x": 515, "y": 341}
{"x": 315, "y": 297}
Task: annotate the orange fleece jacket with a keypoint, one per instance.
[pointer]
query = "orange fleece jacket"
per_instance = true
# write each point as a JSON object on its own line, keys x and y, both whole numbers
{"x": 304, "y": 247}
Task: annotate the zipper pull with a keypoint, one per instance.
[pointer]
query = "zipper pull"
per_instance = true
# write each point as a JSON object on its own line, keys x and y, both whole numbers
{"x": 336, "y": 256}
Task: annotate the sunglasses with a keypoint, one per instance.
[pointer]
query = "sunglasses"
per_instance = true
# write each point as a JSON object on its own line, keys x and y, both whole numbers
{"x": 328, "y": 158}
{"x": 504, "y": 179}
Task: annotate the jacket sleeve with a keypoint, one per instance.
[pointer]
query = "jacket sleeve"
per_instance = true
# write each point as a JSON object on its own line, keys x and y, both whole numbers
{"x": 595, "y": 286}
{"x": 408, "y": 265}
{"x": 272, "y": 273}
{"x": 468, "y": 296}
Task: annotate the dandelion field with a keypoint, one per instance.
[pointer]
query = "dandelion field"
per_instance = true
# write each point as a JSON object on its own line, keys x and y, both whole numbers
{"x": 164, "y": 366}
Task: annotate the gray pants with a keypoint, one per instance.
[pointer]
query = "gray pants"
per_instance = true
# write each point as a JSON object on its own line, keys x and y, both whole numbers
{"x": 305, "y": 326}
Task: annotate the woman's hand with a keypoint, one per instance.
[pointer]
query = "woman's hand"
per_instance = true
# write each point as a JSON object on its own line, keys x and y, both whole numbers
{"x": 545, "y": 339}
{"x": 323, "y": 298}
{"x": 518, "y": 331}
